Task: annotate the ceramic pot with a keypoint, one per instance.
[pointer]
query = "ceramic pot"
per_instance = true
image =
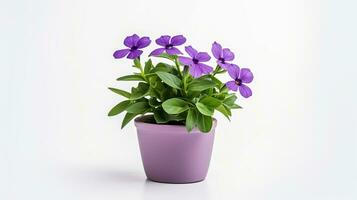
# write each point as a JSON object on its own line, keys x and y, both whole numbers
{"x": 172, "y": 155}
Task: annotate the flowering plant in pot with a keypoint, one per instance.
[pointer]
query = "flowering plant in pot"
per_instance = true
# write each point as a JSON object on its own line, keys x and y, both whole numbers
{"x": 174, "y": 101}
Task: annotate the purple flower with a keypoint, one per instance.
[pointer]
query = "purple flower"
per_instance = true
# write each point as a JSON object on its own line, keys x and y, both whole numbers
{"x": 239, "y": 77}
{"x": 134, "y": 43}
{"x": 168, "y": 45}
{"x": 222, "y": 55}
{"x": 196, "y": 67}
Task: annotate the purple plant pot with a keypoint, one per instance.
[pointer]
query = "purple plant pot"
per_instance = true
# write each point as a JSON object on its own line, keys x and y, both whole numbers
{"x": 172, "y": 155}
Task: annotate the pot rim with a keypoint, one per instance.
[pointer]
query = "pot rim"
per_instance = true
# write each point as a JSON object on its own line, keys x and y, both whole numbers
{"x": 140, "y": 123}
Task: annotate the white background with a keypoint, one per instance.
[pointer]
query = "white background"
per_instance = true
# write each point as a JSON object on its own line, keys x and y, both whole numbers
{"x": 294, "y": 139}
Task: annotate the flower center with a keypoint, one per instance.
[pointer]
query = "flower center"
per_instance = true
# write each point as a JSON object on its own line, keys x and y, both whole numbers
{"x": 238, "y": 82}
{"x": 195, "y": 60}
{"x": 169, "y": 46}
{"x": 221, "y": 59}
{"x": 133, "y": 48}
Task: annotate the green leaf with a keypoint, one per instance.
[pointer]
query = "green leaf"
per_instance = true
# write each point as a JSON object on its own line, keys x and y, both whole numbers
{"x": 148, "y": 66}
{"x": 178, "y": 117}
{"x": 224, "y": 89}
{"x": 204, "y": 77}
{"x": 153, "y": 81}
{"x": 168, "y": 93}
{"x": 175, "y": 106}
{"x": 170, "y": 79}
{"x": 154, "y": 93}
{"x": 217, "y": 81}
{"x": 209, "y": 91}
{"x": 137, "y": 63}
{"x": 161, "y": 116}
{"x": 133, "y": 77}
{"x": 163, "y": 67}
{"x": 157, "y": 87}
{"x": 140, "y": 91}
{"x": 193, "y": 94}
{"x": 120, "y": 107}
{"x": 220, "y": 96}
{"x": 138, "y": 107}
{"x": 127, "y": 118}
{"x": 204, "y": 109}
{"x": 211, "y": 101}
{"x": 235, "y": 106}
{"x": 230, "y": 100}
{"x": 200, "y": 85}
{"x": 204, "y": 123}
{"x": 149, "y": 75}
{"x": 191, "y": 119}
{"x": 167, "y": 56}
{"x": 225, "y": 111}
{"x": 120, "y": 92}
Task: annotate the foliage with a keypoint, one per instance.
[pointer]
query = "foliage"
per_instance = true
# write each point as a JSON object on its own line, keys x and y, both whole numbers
{"x": 174, "y": 96}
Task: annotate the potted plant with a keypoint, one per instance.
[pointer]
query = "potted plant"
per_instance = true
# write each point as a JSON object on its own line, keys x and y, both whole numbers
{"x": 173, "y": 103}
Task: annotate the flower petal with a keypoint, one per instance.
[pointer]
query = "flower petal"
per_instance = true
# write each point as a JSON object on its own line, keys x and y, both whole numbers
{"x": 203, "y": 57}
{"x": 228, "y": 55}
{"x": 245, "y": 91}
{"x": 246, "y": 75}
{"x": 233, "y": 71}
{"x": 205, "y": 69}
{"x": 225, "y": 66}
{"x": 131, "y": 41}
{"x": 121, "y": 53}
{"x": 134, "y": 54}
{"x": 216, "y": 50}
{"x": 157, "y": 52}
{"x": 195, "y": 70}
{"x": 143, "y": 42}
{"x": 178, "y": 40}
{"x": 185, "y": 60}
{"x": 163, "y": 40}
{"x": 232, "y": 85}
{"x": 191, "y": 51}
{"x": 173, "y": 51}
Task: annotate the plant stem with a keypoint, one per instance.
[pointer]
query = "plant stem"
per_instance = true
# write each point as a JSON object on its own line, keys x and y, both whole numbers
{"x": 216, "y": 70}
{"x": 178, "y": 67}
{"x": 184, "y": 79}
{"x": 141, "y": 70}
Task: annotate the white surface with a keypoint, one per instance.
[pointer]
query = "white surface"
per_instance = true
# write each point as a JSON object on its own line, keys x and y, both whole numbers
{"x": 295, "y": 139}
